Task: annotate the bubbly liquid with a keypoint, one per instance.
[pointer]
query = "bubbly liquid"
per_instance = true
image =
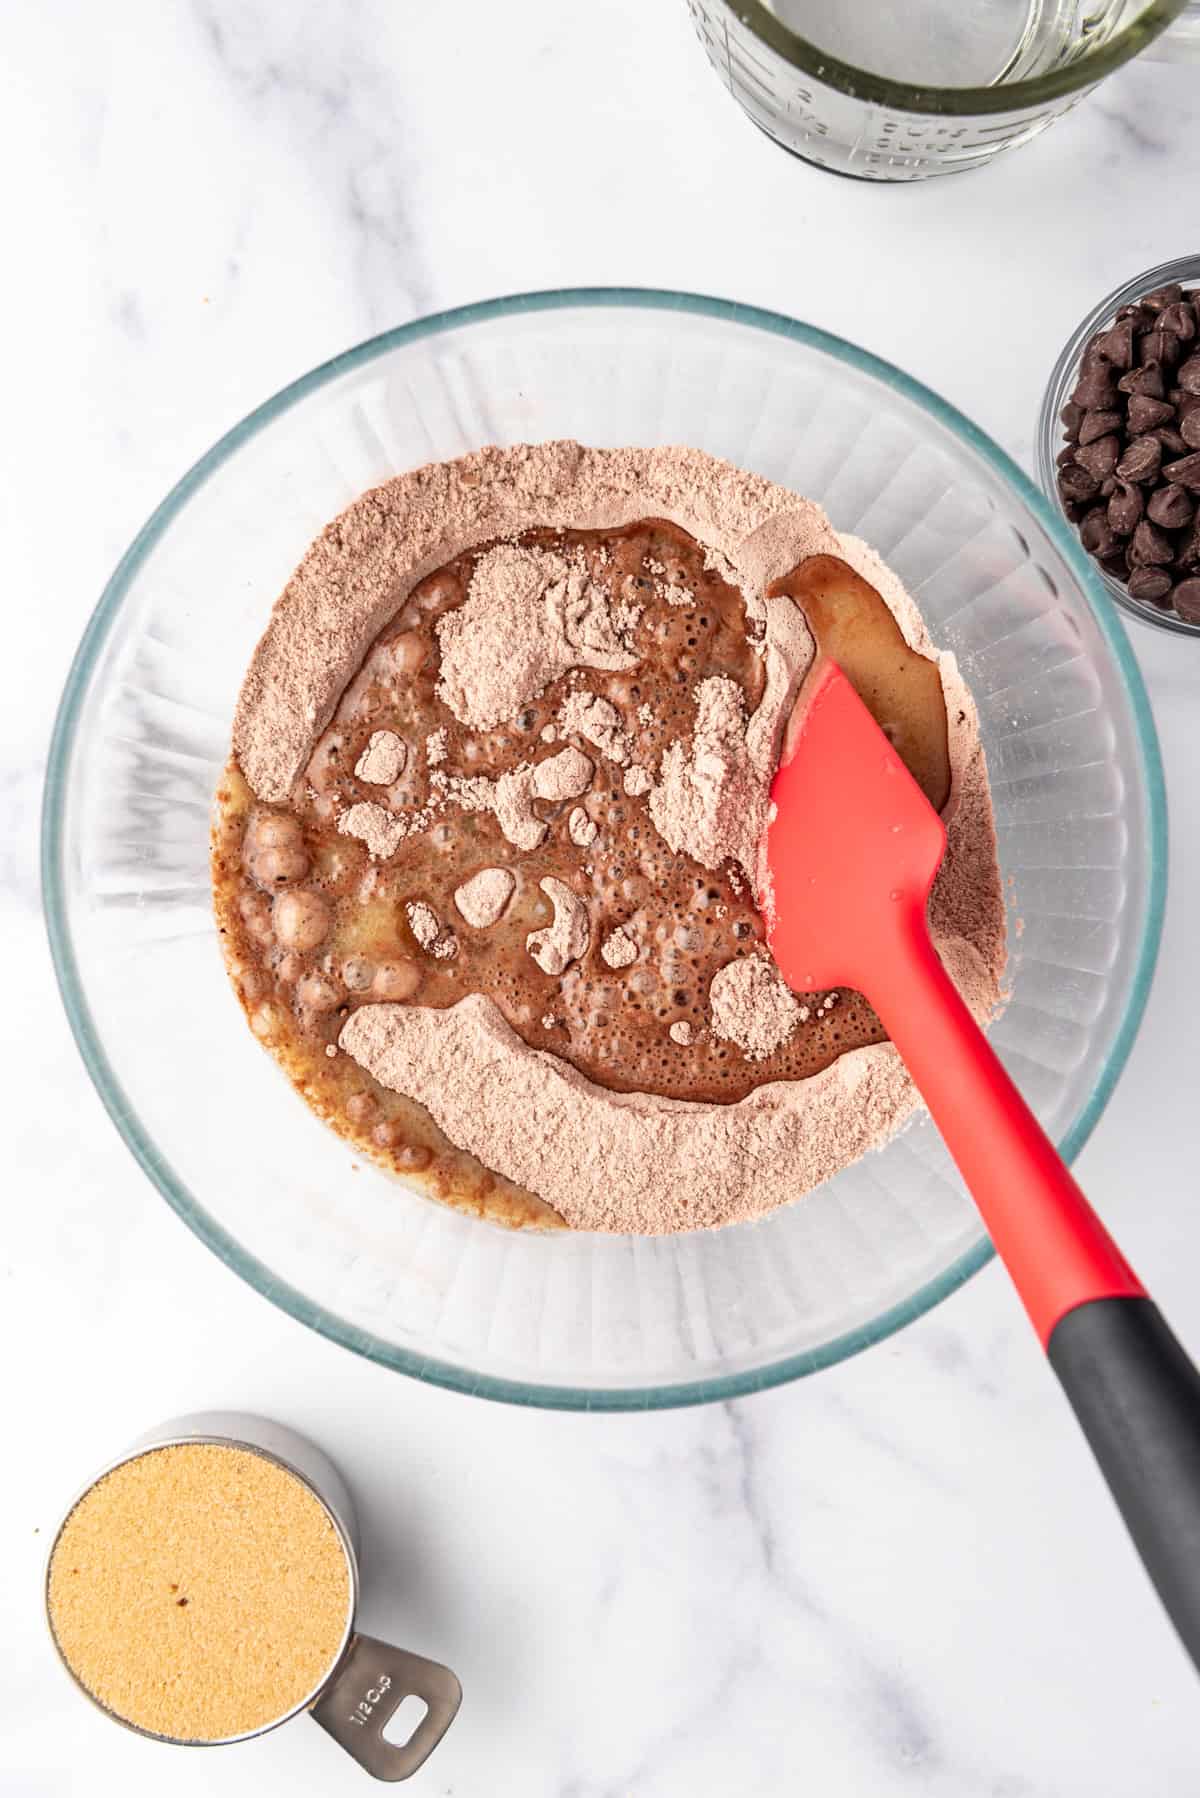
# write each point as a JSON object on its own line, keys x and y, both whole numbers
{"x": 612, "y": 1024}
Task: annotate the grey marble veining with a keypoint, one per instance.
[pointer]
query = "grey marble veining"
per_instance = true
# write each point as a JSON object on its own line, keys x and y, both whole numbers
{"x": 899, "y": 1577}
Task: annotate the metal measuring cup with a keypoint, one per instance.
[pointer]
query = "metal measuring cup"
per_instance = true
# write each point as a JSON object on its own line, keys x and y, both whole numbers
{"x": 367, "y": 1680}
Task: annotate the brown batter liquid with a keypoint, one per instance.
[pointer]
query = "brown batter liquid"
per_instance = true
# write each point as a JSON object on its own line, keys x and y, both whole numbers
{"x": 902, "y": 690}
{"x": 612, "y": 1024}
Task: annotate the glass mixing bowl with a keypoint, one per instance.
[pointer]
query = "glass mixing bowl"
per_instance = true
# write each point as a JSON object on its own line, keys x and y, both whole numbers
{"x": 564, "y": 1319}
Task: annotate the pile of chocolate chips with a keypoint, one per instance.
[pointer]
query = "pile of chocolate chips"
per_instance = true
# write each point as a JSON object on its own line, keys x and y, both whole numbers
{"x": 1130, "y": 475}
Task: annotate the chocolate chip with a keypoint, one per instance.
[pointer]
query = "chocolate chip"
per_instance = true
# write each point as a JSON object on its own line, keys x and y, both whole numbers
{"x": 1065, "y": 455}
{"x": 1077, "y": 484}
{"x": 1072, "y": 417}
{"x": 1116, "y": 345}
{"x": 1101, "y": 457}
{"x": 1143, "y": 414}
{"x": 1125, "y": 509}
{"x": 1117, "y": 565}
{"x": 1142, "y": 460}
{"x": 1189, "y": 375}
{"x": 1187, "y": 600}
{"x": 1189, "y": 428}
{"x": 1094, "y": 390}
{"x": 1161, "y": 347}
{"x": 1171, "y": 508}
{"x": 1162, "y": 297}
{"x": 1173, "y": 444}
{"x": 1097, "y": 535}
{"x": 1149, "y": 544}
{"x": 1180, "y": 320}
{"x": 1098, "y": 424}
{"x": 1186, "y": 472}
{"x": 1148, "y": 380}
{"x": 1150, "y": 583}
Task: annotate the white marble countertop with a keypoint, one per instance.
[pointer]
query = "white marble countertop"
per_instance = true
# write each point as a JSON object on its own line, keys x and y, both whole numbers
{"x": 902, "y": 1576}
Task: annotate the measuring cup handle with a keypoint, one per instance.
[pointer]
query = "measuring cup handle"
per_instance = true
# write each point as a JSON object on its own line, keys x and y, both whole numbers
{"x": 371, "y": 1683}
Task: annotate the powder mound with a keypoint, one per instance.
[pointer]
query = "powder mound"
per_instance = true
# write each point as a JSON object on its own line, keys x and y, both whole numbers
{"x": 581, "y": 829}
{"x": 710, "y": 800}
{"x": 681, "y": 1032}
{"x": 618, "y": 949}
{"x": 482, "y": 899}
{"x": 511, "y": 795}
{"x": 509, "y": 798}
{"x": 628, "y": 1161}
{"x": 382, "y": 761}
{"x": 422, "y": 921}
{"x": 598, "y": 722}
{"x": 751, "y": 1005}
{"x": 424, "y": 924}
{"x": 382, "y": 831}
{"x": 563, "y": 776}
{"x": 529, "y": 616}
{"x": 567, "y": 938}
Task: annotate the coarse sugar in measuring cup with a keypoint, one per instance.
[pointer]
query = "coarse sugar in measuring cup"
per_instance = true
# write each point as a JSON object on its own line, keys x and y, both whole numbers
{"x": 202, "y": 1590}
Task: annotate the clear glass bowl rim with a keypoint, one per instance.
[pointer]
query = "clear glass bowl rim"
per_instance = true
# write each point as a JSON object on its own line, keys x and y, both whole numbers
{"x": 122, "y": 1112}
{"x": 862, "y": 84}
{"x": 1049, "y": 432}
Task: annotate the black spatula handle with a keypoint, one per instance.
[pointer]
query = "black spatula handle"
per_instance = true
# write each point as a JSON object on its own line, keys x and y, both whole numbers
{"x": 1137, "y": 1396}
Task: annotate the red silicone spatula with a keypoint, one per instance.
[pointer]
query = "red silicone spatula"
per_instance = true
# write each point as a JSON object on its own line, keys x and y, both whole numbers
{"x": 850, "y": 855}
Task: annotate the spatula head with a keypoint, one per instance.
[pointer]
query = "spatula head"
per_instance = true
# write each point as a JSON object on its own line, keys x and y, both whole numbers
{"x": 853, "y": 845}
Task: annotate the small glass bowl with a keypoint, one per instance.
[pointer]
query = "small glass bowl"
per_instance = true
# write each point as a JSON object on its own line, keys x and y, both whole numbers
{"x": 1050, "y": 437}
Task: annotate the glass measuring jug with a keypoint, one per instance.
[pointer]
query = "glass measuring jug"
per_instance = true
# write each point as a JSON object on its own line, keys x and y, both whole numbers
{"x": 913, "y": 88}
